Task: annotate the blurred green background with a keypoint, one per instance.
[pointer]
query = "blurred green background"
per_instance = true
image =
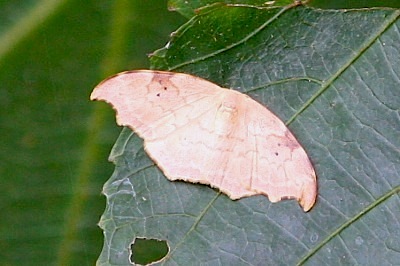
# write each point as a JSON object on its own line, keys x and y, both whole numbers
{"x": 54, "y": 142}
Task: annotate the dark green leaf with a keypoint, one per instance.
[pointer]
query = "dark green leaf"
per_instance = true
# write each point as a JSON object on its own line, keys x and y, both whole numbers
{"x": 334, "y": 77}
{"x": 354, "y": 3}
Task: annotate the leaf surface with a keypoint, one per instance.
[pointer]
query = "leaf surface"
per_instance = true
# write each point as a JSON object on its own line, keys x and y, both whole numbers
{"x": 333, "y": 76}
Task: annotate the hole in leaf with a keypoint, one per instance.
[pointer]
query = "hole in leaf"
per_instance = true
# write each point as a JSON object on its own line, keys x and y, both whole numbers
{"x": 146, "y": 251}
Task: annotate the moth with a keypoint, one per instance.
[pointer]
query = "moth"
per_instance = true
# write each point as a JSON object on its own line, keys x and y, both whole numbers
{"x": 198, "y": 132}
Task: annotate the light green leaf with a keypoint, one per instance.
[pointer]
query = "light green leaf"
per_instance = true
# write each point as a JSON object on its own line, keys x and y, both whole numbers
{"x": 334, "y": 77}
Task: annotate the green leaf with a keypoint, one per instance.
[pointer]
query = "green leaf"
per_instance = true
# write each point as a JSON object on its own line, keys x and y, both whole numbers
{"x": 334, "y": 77}
{"x": 190, "y": 8}
{"x": 54, "y": 141}
{"x": 354, "y": 3}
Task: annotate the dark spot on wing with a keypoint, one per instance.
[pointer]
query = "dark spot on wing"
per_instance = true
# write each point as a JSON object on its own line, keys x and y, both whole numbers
{"x": 291, "y": 141}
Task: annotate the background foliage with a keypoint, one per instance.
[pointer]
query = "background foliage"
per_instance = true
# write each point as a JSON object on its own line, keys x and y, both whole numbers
{"x": 54, "y": 142}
